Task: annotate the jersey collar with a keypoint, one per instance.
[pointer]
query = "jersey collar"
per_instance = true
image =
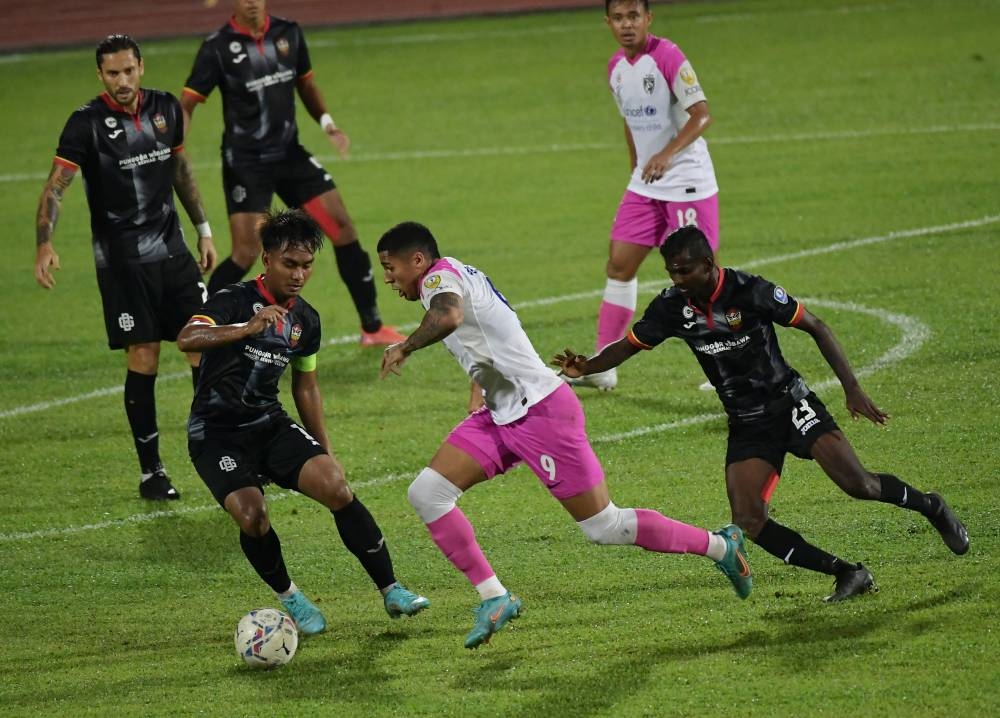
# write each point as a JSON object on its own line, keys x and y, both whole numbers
{"x": 110, "y": 102}
{"x": 268, "y": 296}
{"x": 247, "y": 31}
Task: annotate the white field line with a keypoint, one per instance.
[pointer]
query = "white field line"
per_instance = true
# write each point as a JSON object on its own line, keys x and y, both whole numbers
{"x": 914, "y": 334}
{"x": 545, "y": 301}
{"x": 559, "y": 148}
{"x": 431, "y": 38}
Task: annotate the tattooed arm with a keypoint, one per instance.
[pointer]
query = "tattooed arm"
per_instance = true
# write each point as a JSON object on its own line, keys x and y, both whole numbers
{"x": 444, "y": 316}
{"x": 187, "y": 191}
{"x": 49, "y": 205}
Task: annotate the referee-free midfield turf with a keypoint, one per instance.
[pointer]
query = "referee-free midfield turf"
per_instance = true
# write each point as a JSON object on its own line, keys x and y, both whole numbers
{"x": 856, "y": 145}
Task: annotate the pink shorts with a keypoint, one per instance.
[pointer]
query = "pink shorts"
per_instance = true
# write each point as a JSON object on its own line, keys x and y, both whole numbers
{"x": 646, "y": 221}
{"x": 551, "y": 439}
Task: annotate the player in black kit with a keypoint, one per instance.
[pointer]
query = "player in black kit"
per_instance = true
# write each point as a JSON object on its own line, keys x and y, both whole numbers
{"x": 128, "y": 142}
{"x": 239, "y": 435}
{"x": 727, "y": 318}
{"x": 258, "y": 62}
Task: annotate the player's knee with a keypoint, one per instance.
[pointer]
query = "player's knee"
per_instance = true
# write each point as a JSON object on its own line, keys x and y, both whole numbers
{"x": 432, "y": 495}
{"x": 752, "y": 522}
{"x": 252, "y": 519}
{"x": 612, "y": 526}
{"x": 862, "y": 485}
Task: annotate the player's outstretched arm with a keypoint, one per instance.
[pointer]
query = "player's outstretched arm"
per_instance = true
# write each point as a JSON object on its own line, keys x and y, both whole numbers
{"x": 444, "y": 316}
{"x": 199, "y": 335}
{"x": 187, "y": 190}
{"x": 858, "y": 403}
{"x": 309, "y": 403}
{"x": 576, "y": 365}
{"x": 49, "y": 205}
{"x": 312, "y": 98}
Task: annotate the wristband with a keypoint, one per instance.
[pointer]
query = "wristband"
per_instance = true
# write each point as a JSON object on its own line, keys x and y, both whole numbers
{"x": 327, "y": 123}
{"x": 203, "y": 230}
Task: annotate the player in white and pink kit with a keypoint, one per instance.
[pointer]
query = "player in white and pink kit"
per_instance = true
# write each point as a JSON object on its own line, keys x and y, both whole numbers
{"x": 523, "y": 412}
{"x": 673, "y": 181}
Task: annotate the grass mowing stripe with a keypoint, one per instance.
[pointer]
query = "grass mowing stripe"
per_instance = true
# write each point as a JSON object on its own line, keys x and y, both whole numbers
{"x": 915, "y": 333}
{"x": 545, "y": 301}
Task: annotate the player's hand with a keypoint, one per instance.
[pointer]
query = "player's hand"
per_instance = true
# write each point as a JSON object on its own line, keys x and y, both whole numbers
{"x": 570, "y": 363}
{"x": 340, "y": 141}
{"x": 264, "y": 319}
{"x": 392, "y": 360}
{"x": 656, "y": 167}
{"x": 46, "y": 260}
{"x": 858, "y": 404}
{"x": 207, "y": 254}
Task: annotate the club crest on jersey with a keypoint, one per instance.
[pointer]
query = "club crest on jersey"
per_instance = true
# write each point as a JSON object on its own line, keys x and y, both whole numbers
{"x": 282, "y": 45}
{"x": 111, "y": 122}
{"x": 295, "y": 334}
{"x": 735, "y": 319}
{"x": 160, "y": 122}
{"x": 649, "y": 83}
{"x": 432, "y": 282}
{"x": 780, "y": 295}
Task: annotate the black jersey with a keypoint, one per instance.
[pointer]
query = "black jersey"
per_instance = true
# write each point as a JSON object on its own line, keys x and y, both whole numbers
{"x": 733, "y": 339}
{"x": 128, "y": 169}
{"x": 257, "y": 79}
{"x": 238, "y": 385}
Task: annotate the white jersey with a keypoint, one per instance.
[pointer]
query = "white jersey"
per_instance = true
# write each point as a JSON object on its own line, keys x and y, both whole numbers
{"x": 490, "y": 343}
{"x": 653, "y": 93}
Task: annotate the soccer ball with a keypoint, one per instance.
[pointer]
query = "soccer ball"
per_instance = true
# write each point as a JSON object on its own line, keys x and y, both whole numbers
{"x": 266, "y": 638}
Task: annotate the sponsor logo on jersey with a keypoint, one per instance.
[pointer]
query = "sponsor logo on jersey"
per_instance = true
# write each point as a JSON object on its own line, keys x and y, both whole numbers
{"x": 649, "y": 83}
{"x": 257, "y": 306}
{"x": 235, "y": 47}
{"x": 780, "y": 295}
{"x": 688, "y": 76}
{"x": 160, "y": 122}
{"x": 650, "y": 111}
{"x": 645, "y": 111}
{"x": 295, "y": 334}
{"x": 111, "y": 122}
{"x": 735, "y": 319}
{"x": 433, "y": 281}
{"x": 687, "y": 311}
{"x": 115, "y": 134}
{"x": 282, "y": 45}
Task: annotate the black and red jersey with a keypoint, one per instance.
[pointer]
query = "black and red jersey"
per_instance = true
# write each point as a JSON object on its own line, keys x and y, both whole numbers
{"x": 733, "y": 338}
{"x": 257, "y": 78}
{"x": 238, "y": 385}
{"x": 128, "y": 168}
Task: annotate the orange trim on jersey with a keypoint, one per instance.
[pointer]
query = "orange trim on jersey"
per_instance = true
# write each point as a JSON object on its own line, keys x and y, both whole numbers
{"x": 797, "y": 317}
{"x": 249, "y": 32}
{"x": 63, "y": 162}
{"x": 307, "y": 75}
{"x": 718, "y": 287}
{"x": 178, "y": 148}
{"x": 201, "y": 319}
{"x": 635, "y": 341}
{"x": 197, "y": 95}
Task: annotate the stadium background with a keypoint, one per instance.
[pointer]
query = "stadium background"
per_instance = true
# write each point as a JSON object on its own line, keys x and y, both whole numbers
{"x": 70, "y": 22}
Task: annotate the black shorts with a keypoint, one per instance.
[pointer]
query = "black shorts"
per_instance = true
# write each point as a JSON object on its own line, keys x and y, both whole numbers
{"x": 150, "y": 302}
{"x": 792, "y": 428}
{"x": 296, "y": 179}
{"x": 227, "y": 463}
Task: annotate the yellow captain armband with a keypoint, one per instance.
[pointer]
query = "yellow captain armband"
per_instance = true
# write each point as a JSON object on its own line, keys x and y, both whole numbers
{"x": 304, "y": 363}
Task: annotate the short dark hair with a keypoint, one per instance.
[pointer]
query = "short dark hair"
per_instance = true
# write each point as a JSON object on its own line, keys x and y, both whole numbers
{"x": 116, "y": 43}
{"x": 688, "y": 239}
{"x": 409, "y": 237}
{"x": 290, "y": 227}
{"x": 609, "y": 3}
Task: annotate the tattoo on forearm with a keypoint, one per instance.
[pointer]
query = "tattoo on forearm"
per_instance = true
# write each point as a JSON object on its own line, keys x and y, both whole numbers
{"x": 437, "y": 322}
{"x": 49, "y": 205}
{"x": 187, "y": 188}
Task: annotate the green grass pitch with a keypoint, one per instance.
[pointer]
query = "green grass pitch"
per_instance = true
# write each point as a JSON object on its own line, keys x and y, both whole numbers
{"x": 856, "y": 145}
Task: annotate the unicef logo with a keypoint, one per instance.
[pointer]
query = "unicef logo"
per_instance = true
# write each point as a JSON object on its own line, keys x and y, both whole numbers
{"x": 649, "y": 111}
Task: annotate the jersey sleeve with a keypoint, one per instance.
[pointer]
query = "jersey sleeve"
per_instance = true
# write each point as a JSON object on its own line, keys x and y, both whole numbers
{"x": 221, "y": 308}
{"x": 773, "y": 302}
{"x": 205, "y": 74}
{"x": 438, "y": 281}
{"x": 302, "y": 65}
{"x": 681, "y": 76}
{"x": 176, "y": 122}
{"x": 76, "y": 140}
{"x": 654, "y": 328}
